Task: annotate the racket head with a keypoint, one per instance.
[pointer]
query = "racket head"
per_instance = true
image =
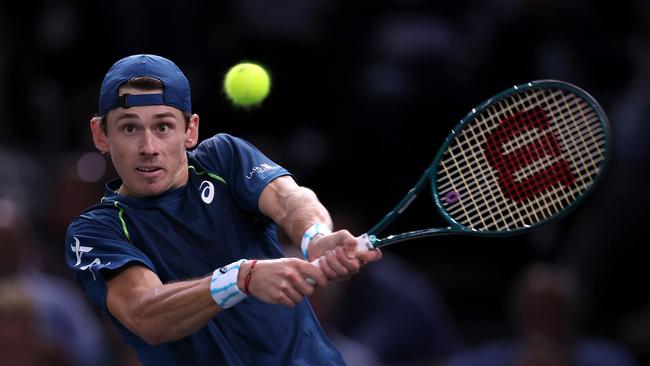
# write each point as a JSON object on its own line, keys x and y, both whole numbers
{"x": 522, "y": 158}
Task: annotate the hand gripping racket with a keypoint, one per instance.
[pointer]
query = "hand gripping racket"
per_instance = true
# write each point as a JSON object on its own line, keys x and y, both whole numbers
{"x": 520, "y": 159}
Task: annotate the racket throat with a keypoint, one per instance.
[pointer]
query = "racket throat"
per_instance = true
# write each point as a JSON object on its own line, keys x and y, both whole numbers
{"x": 365, "y": 242}
{"x": 403, "y": 204}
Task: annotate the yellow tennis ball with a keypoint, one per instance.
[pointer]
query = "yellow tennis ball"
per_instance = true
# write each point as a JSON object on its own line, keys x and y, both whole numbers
{"x": 247, "y": 84}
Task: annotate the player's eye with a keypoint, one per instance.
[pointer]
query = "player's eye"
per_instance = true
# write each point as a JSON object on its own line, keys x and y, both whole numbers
{"x": 163, "y": 128}
{"x": 129, "y": 129}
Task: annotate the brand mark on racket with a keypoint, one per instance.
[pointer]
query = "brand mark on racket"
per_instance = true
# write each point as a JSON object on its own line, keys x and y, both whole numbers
{"x": 522, "y": 157}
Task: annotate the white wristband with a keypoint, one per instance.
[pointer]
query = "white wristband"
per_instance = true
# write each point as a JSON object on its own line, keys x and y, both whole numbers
{"x": 223, "y": 288}
{"x": 310, "y": 234}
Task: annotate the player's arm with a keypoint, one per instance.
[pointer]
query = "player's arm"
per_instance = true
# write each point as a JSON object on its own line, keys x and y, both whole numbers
{"x": 296, "y": 209}
{"x": 161, "y": 313}
{"x": 293, "y": 207}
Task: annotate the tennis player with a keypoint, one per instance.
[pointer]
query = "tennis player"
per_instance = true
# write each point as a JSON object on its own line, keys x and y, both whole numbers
{"x": 182, "y": 252}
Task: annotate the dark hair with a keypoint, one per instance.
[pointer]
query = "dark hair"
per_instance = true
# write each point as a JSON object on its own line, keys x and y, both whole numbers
{"x": 145, "y": 83}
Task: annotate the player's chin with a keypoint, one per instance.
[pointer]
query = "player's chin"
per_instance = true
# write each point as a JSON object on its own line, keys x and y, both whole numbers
{"x": 151, "y": 189}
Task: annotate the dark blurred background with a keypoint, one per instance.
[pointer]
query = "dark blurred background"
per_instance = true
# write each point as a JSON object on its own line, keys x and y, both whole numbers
{"x": 363, "y": 94}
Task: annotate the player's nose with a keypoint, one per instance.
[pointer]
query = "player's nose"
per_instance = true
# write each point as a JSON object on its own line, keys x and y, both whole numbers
{"x": 147, "y": 144}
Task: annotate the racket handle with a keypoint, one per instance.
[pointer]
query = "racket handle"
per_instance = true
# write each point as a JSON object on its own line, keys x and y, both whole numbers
{"x": 363, "y": 245}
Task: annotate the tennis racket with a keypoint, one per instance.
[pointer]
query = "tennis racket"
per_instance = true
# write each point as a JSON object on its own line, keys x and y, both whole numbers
{"x": 524, "y": 157}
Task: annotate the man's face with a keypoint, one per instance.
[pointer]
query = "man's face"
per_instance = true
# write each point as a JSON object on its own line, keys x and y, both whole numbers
{"x": 148, "y": 146}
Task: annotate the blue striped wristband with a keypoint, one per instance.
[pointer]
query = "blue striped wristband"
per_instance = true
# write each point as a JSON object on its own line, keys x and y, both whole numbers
{"x": 223, "y": 288}
{"x": 310, "y": 234}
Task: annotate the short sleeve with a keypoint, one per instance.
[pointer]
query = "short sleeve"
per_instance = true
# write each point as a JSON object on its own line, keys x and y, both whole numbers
{"x": 244, "y": 168}
{"x": 94, "y": 243}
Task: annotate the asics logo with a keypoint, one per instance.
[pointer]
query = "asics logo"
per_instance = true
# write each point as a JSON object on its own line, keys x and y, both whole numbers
{"x": 207, "y": 191}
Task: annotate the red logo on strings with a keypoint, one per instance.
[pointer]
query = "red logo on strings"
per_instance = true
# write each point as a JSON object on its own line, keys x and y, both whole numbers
{"x": 508, "y": 164}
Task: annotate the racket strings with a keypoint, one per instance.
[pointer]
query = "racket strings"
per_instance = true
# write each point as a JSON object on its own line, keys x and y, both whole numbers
{"x": 535, "y": 207}
{"x": 501, "y": 214}
{"x": 521, "y": 160}
{"x": 581, "y": 143}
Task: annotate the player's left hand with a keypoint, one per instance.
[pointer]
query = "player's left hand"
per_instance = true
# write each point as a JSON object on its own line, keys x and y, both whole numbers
{"x": 338, "y": 255}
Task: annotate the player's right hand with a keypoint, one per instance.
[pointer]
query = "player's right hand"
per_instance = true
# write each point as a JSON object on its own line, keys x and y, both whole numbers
{"x": 337, "y": 255}
{"x": 282, "y": 281}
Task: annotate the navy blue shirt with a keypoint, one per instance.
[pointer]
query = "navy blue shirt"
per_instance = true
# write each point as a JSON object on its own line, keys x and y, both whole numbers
{"x": 188, "y": 232}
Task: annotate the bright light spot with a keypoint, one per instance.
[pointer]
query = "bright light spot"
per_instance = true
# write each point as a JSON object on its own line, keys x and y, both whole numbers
{"x": 91, "y": 167}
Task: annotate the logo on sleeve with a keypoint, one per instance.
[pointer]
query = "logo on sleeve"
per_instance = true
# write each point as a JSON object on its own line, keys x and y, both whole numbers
{"x": 207, "y": 191}
{"x": 79, "y": 250}
{"x": 261, "y": 169}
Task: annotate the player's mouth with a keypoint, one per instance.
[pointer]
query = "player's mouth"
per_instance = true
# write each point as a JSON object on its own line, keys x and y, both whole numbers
{"x": 149, "y": 172}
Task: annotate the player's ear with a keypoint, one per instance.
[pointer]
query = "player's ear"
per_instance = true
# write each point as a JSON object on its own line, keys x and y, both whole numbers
{"x": 192, "y": 132}
{"x": 99, "y": 134}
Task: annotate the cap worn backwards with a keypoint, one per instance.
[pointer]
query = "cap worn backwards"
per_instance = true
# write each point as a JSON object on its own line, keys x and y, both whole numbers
{"x": 176, "y": 88}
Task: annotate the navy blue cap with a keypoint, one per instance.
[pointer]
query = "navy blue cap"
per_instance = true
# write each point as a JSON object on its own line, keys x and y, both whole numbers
{"x": 176, "y": 88}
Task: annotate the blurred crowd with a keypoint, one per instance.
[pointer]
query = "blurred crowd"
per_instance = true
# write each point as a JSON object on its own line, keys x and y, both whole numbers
{"x": 363, "y": 94}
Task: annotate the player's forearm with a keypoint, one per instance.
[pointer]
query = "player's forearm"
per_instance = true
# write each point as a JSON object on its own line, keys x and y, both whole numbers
{"x": 302, "y": 209}
{"x": 170, "y": 312}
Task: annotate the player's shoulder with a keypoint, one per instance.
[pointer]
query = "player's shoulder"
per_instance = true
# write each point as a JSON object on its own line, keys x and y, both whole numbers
{"x": 100, "y": 216}
{"x": 221, "y": 141}
{"x": 220, "y": 151}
